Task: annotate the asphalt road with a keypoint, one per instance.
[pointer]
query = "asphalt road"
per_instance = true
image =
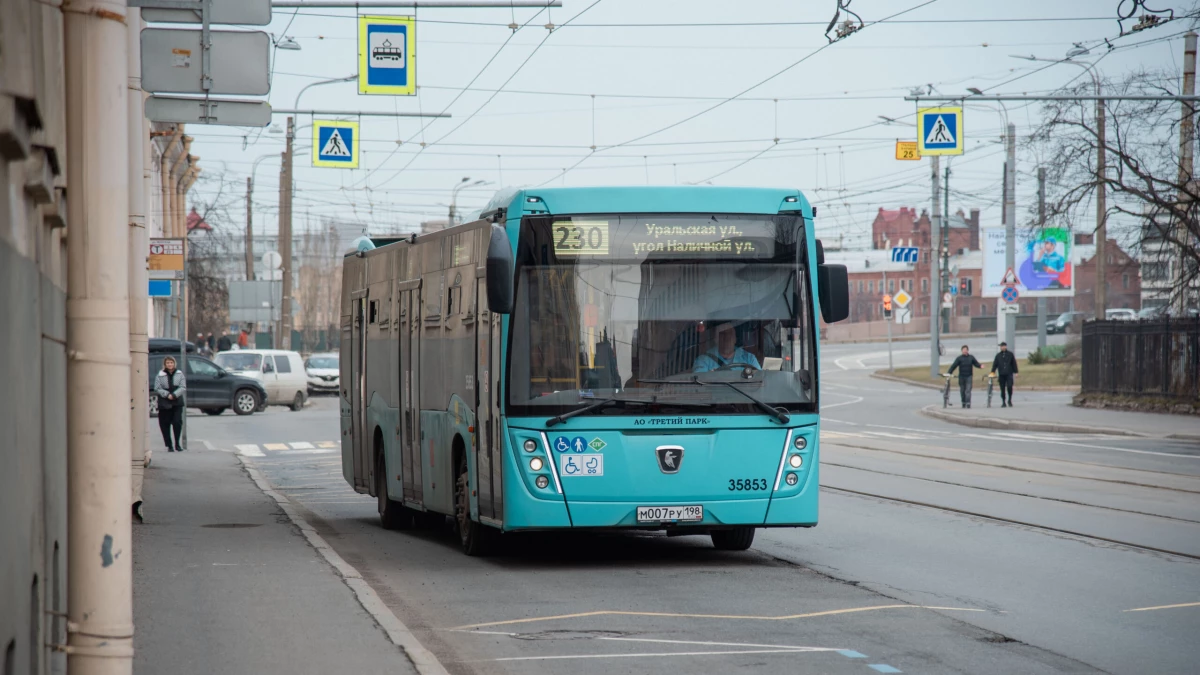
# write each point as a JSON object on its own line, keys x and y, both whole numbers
{"x": 941, "y": 549}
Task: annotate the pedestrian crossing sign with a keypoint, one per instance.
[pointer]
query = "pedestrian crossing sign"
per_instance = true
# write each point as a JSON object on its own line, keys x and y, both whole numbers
{"x": 335, "y": 144}
{"x": 940, "y": 131}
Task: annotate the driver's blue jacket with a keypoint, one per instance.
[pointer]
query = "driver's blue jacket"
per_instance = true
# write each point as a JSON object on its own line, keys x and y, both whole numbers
{"x": 712, "y": 359}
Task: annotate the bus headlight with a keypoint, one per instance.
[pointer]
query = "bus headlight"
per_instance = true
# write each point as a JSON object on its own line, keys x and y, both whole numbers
{"x": 800, "y": 443}
{"x": 792, "y": 479}
{"x": 530, "y": 446}
{"x": 795, "y": 461}
{"x": 542, "y": 482}
{"x": 536, "y": 464}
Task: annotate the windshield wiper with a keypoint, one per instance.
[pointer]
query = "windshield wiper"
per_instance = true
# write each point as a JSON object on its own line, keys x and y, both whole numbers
{"x": 558, "y": 419}
{"x": 781, "y": 416}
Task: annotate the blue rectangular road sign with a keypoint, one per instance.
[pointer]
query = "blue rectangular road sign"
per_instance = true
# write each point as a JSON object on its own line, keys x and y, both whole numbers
{"x": 160, "y": 288}
{"x": 906, "y": 254}
{"x": 385, "y": 55}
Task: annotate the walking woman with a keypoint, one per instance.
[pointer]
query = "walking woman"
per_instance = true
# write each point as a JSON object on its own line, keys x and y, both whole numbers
{"x": 170, "y": 388}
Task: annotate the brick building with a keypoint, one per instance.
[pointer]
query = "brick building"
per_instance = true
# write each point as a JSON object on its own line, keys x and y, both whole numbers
{"x": 903, "y": 227}
{"x": 1124, "y": 278}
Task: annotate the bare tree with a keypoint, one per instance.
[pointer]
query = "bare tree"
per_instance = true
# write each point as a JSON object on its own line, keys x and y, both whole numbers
{"x": 1146, "y": 182}
{"x": 209, "y": 255}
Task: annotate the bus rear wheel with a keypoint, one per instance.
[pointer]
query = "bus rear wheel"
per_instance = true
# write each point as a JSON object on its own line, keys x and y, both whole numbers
{"x": 736, "y": 539}
{"x": 392, "y": 514}
{"x": 477, "y": 539}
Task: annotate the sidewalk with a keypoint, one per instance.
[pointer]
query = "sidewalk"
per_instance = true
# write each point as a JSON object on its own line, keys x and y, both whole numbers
{"x": 225, "y": 583}
{"x": 1066, "y": 418}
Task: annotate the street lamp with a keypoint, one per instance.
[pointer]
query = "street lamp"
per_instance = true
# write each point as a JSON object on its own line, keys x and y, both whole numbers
{"x": 454, "y": 196}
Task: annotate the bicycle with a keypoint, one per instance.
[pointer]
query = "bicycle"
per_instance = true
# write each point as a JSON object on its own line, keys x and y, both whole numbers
{"x": 991, "y": 378}
{"x": 946, "y": 391}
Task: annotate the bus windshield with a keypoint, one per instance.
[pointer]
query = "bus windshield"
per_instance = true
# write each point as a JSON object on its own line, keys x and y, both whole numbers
{"x": 667, "y": 310}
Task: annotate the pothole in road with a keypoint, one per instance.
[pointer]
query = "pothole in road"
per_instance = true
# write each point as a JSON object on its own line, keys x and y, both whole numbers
{"x": 571, "y": 634}
{"x": 231, "y": 525}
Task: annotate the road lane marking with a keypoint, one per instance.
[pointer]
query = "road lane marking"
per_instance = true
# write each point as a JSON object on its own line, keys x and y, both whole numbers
{"x": 301, "y": 445}
{"x": 275, "y": 446}
{"x": 1150, "y": 609}
{"x": 652, "y": 654}
{"x": 673, "y": 615}
{"x": 883, "y": 668}
{"x": 329, "y": 444}
{"x": 720, "y": 644}
{"x": 249, "y": 450}
{"x": 1089, "y": 447}
{"x": 857, "y": 399}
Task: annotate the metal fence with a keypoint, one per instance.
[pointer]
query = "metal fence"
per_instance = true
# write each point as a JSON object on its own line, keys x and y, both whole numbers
{"x": 1142, "y": 358}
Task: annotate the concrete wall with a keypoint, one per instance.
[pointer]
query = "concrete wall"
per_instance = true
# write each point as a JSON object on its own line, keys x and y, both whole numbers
{"x": 33, "y": 443}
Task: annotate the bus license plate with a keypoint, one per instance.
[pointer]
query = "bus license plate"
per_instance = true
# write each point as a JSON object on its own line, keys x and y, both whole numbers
{"x": 658, "y": 514}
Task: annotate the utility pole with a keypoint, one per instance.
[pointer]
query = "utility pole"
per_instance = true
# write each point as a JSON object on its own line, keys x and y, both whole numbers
{"x": 1101, "y": 293}
{"x": 249, "y": 229}
{"x": 935, "y": 248}
{"x": 1187, "y": 136}
{"x": 139, "y": 161}
{"x": 946, "y": 311}
{"x": 99, "y": 560}
{"x": 285, "y": 244}
{"x": 1041, "y": 302}
{"x": 1010, "y": 225}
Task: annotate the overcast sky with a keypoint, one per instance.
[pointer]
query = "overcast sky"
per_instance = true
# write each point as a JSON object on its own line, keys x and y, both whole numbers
{"x": 651, "y": 64}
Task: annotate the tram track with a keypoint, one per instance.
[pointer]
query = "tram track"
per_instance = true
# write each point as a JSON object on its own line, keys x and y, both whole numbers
{"x": 1024, "y": 469}
{"x": 1010, "y": 521}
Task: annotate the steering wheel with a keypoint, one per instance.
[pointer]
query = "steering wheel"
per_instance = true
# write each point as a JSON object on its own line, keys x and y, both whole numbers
{"x": 731, "y": 366}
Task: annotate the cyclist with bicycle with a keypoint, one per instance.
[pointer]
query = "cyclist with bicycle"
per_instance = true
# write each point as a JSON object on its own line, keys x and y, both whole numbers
{"x": 1005, "y": 366}
{"x": 965, "y": 364}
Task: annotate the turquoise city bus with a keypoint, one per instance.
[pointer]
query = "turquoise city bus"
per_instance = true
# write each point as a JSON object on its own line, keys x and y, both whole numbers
{"x": 592, "y": 358}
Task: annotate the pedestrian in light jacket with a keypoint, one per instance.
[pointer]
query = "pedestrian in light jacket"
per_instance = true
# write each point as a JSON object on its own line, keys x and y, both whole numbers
{"x": 965, "y": 365}
{"x": 170, "y": 388}
{"x": 1004, "y": 366}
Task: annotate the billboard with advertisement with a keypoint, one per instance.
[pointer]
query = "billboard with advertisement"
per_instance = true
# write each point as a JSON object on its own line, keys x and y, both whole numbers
{"x": 1042, "y": 262}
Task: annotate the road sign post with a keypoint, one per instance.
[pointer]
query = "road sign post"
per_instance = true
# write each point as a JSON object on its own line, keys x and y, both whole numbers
{"x": 940, "y": 131}
{"x": 387, "y": 55}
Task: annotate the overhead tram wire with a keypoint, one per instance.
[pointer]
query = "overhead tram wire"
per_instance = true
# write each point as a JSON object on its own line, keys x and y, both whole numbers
{"x": 727, "y": 100}
{"x": 468, "y": 118}
{"x": 755, "y": 24}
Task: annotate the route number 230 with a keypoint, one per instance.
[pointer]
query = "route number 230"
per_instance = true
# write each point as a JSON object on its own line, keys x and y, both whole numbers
{"x": 581, "y": 238}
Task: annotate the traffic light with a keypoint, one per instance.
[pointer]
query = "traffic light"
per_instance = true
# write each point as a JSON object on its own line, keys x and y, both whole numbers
{"x": 887, "y": 305}
{"x": 963, "y": 288}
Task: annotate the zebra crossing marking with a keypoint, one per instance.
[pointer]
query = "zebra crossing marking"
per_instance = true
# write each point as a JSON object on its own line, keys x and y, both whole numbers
{"x": 249, "y": 450}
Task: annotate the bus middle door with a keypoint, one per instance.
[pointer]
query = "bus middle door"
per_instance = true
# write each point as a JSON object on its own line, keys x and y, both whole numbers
{"x": 410, "y": 409}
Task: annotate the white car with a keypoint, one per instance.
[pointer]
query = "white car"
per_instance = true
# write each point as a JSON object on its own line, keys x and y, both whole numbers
{"x": 281, "y": 373}
{"x": 323, "y": 372}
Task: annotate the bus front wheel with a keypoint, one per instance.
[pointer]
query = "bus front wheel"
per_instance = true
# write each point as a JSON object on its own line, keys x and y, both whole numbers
{"x": 736, "y": 539}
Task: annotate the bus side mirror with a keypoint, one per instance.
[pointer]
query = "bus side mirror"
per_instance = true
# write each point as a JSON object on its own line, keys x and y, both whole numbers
{"x": 499, "y": 272}
{"x": 833, "y": 288}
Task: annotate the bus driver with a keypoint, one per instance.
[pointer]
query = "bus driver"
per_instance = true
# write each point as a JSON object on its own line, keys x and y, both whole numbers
{"x": 725, "y": 352}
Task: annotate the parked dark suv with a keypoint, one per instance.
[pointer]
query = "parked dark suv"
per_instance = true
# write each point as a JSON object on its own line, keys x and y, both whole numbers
{"x": 211, "y": 388}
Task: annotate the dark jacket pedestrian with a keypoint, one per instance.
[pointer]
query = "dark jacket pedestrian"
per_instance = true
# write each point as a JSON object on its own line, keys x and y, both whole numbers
{"x": 224, "y": 344}
{"x": 1005, "y": 368}
{"x": 965, "y": 364}
{"x": 170, "y": 387}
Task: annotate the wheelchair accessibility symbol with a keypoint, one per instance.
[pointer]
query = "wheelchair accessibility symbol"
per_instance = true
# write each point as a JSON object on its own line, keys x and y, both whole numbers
{"x": 562, "y": 444}
{"x": 591, "y": 465}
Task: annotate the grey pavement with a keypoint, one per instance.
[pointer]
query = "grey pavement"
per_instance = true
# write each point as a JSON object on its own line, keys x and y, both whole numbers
{"x": 1062, "y": 416}
{"x": 224, "y": 583}
{"x": 945, "y": 587}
